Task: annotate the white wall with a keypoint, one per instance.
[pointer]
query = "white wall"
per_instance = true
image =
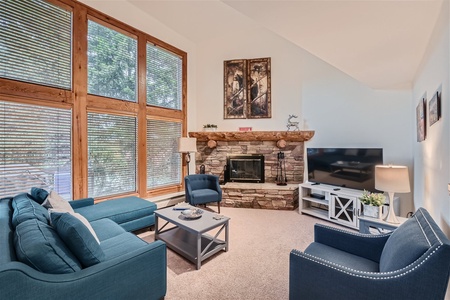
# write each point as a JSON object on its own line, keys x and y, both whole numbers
{"x": 342, "y": 111}
{"x": 432, "y": 156}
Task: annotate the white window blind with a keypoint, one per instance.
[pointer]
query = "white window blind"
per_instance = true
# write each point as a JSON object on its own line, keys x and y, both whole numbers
{"x": 112, "y": 63}
{"x": 35, "y": 43}
{"x": 35, "y": 149}
{"x": 164, "y": 78}
{"x": 112, "y": 158}
{"x": 163, "y": 159}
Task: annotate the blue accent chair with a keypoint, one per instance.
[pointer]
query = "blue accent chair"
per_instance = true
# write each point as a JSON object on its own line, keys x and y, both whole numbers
{"x": 202, "y": 189}
{"x": 412, "y": 262}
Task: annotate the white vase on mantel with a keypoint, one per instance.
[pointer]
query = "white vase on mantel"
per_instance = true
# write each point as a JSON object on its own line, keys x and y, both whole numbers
{"x": 372, "y": 211}
{"x": 210, "y": 129}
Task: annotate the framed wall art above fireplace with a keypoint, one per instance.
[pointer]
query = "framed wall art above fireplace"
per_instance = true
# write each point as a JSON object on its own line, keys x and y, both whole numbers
{"x": 235, "y": 84}
{"x": 259, "y": 95}
{"x": 247, "y": 89}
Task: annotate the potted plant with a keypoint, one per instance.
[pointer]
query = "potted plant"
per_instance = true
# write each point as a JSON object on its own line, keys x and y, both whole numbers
{"x": 210, "y": 127}
{"x": 372, "y": 204}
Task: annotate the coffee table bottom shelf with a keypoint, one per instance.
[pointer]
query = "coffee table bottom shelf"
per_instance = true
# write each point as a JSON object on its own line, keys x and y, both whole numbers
{"x": 191, "y": 245}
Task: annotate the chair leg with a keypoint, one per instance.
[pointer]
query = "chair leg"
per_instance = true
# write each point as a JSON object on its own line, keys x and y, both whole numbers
{"x": 218, "y": 206}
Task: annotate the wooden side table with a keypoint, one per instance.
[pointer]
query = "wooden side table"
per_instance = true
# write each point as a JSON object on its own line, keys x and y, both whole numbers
{"x": 365, "y": 223}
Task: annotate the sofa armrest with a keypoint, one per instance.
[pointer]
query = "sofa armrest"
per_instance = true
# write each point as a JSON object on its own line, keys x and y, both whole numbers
{"x": 365, "y": 245}
{"x": 139, "y": 274}
{"x": 312, "y": 277}
{"x": 81, "y": 202}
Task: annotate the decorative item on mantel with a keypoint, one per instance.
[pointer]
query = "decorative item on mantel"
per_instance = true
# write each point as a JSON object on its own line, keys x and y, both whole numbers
{"x": 372, "y": 204}
{"x": 210, "y": 127}
{"x": 292, "y": 124}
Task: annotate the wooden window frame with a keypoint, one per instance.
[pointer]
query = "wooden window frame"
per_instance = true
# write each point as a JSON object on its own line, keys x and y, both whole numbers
{"x": 78, "y": 99}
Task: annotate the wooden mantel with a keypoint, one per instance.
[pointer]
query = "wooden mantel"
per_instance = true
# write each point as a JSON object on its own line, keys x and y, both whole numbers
{"x": 291, "y": 136}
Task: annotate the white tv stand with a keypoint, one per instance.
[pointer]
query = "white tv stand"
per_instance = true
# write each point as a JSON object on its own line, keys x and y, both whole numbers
{"x": 332, "y": 203}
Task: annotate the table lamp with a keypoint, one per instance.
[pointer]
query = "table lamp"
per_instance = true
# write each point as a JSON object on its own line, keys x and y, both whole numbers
{"x": 187, "y": 145}
{"x": 392, "y": 179}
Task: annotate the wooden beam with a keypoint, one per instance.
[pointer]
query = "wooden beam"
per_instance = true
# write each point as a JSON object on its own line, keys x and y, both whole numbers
{"x": 142, "y": 117}
{"x": 292, "y": 136}
{"x": 79, "y": 122}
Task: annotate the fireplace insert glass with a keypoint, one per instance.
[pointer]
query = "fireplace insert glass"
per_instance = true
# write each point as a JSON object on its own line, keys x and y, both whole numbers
{"x": 245, "y": 168}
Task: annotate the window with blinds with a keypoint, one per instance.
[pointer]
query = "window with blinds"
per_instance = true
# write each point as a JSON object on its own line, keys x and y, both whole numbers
{"x": 164, "y": 78}
{"x": 35, "y": 43}
{"x": 163, "y": 159}
{"x": 112, "y": 157}
{"x": 112, "y": 63}
{"x": 35, "y": 149}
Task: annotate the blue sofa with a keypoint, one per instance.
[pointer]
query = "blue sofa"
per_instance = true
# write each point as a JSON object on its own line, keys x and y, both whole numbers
{"x": 36, "y": 262}
{"x": 412, "y": 262}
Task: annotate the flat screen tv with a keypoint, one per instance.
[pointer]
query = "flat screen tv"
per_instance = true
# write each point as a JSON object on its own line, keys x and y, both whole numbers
{"x": 344, "y": 167}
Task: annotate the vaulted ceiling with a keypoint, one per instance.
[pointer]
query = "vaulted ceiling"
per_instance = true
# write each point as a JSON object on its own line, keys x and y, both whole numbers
{"x": 380, "y": 43}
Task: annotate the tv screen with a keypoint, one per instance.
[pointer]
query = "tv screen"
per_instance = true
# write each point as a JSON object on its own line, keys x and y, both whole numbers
{"x": 345, "y": 167}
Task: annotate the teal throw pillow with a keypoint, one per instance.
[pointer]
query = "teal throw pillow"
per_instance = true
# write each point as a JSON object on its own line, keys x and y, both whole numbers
{"x": 39, "y": 246}
{"x": 25, "y": 208}
{"x": 78, "y": 235}
{"x": 39, "y": 195}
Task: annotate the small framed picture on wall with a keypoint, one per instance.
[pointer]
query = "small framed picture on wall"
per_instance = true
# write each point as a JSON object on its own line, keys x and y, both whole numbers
{"x": 421, "y": 120}
{"x": 434, "y": 108}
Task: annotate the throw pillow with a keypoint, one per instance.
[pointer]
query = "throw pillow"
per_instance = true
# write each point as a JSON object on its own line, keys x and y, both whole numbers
{"x": 399, "y": 251}
{"x": 78, "y": 237}
{"x": 38, "y": 194}
{"x": 39, "y": 246}
{"x": 54, "y": 200}
{"x": 25, "y": 208}
{"x": 76, "y": 215}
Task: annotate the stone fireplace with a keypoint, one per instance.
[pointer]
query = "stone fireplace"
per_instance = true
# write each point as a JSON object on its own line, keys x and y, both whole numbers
{"x": 214, "y": 148}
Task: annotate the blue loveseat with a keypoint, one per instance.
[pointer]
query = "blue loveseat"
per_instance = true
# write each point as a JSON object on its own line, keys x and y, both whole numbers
{"x": 37, "y": 263}
{"x": 412, "y": 262}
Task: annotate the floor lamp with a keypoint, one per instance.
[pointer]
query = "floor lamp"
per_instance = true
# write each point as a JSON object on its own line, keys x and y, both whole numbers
{"x": 187, "y": 145}
{"x": 392, "y": 179}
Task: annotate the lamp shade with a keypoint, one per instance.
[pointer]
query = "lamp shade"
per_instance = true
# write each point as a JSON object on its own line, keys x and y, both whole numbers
{"x": 390, "y": 178}
{"x": 187, "y": 145}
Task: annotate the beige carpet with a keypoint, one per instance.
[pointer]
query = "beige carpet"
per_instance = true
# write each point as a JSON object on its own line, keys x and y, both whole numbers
{"x": 256, "y": 265}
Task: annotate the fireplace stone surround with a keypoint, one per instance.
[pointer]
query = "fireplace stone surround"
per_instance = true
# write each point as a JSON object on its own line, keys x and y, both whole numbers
{"x": 212, "y": 151}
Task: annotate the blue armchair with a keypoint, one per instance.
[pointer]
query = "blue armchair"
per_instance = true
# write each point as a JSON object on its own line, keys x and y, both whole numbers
{"x": 202, "y": 189}
{"x": 412, "y": 262}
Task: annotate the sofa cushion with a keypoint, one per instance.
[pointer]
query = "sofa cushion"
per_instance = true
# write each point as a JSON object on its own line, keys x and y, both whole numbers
{"x": 39, "y": 195}
{"x": 204, "y": 196}
{"x": 78, "y": 235}
{"x": 7, "y": 253}
{"x": 342, "y": 258}
{"x": 54, "y": 200}
{"x": 406, "y": 244}
{"x": 25, "y": 208}
{"x": 120, "y": 210}
{"x": 106, "y": 229}
{"x": 121, "y": 244}
{"x": 39, "y": 246}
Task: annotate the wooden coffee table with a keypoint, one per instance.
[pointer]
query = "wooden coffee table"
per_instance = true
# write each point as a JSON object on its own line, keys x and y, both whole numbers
{"x": 189, "y": 237}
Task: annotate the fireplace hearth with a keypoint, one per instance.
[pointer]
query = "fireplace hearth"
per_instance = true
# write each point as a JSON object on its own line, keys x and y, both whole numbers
{"x": 245, "y": 168}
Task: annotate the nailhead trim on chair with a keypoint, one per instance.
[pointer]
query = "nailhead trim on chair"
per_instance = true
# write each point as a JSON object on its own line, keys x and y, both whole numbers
{"x": 357, "y": 273}
{"x": 366, "y": 235}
